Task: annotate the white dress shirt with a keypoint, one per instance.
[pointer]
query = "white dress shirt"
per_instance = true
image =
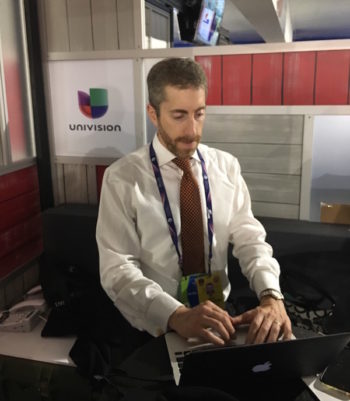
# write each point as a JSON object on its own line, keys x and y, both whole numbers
{"x": 138, "y": 262}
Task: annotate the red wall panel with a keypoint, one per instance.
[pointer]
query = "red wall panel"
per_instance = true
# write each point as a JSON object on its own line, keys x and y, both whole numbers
{"x": 20, "y": 221}
{"x": 20, "y": 256}
{"x": 267, "y": 79}
{"x": 18, "y": 210}
{"x": 212, "y": 66}
{"x": 299, "y": 78}
{"x": 20, "y": 234}
{"x": 18, "y": 182}
{"x": 236, "y": 79}
{"x": 332, "y": 77}
{"x": 100, "y": 170}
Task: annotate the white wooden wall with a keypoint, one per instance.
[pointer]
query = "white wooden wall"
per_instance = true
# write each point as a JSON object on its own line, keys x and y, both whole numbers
{"x": 269, "y": 149}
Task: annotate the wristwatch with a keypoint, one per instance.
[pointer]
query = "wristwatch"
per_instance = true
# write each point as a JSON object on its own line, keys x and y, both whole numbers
{"x": 271, "y": 293}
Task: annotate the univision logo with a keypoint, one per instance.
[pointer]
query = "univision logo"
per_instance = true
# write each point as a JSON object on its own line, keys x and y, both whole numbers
{"x": 95, "y": 104}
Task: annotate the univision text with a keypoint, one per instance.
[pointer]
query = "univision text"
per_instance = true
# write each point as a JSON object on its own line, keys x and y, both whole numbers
{"x": 95, "y": 127}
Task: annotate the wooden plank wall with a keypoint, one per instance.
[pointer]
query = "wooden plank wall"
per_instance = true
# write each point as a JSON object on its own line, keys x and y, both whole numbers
{"x": 85, "y": 25}
{"x": 20, "y": 229}
{"x": 269, "y": 149}
{"x": 293, "y": 78}
{"x": 77, "y": 183}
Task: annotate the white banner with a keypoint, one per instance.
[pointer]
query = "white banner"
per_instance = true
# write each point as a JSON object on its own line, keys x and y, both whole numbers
{"x": 93, "y": 107}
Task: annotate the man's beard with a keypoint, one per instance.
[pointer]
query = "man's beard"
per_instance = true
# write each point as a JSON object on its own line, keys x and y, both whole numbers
{"x": 171, "y": 144}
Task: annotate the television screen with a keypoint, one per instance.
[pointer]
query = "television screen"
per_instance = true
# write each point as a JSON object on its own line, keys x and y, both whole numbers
{"x": 210, "y": 17}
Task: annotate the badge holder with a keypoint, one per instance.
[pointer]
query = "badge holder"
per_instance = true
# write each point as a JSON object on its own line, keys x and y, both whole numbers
{"x": 197, "y": 288}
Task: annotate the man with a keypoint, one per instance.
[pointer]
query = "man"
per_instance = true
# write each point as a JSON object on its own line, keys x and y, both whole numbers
{"x": 140, "y": 237}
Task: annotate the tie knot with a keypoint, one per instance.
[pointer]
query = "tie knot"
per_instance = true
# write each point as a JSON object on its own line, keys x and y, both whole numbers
{"x": 184, "y": 164}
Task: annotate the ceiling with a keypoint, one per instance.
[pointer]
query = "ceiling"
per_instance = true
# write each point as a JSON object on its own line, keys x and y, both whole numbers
{"x": 253, "y": 21}
{"x": 310, "y": 20}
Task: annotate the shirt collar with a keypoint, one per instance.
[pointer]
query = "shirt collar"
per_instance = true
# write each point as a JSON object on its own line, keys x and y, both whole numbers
{"x": 164, "y": 155}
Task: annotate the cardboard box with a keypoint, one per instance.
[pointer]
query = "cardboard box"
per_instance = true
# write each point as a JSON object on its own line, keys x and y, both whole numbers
{"x": 335, "y": 213}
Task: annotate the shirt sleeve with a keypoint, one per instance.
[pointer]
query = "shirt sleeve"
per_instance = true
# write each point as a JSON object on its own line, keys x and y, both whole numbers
{"x": 141, "y": 301}
{"x": 248, "y": 236}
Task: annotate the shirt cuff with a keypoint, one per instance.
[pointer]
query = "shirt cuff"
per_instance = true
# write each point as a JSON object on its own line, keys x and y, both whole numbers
{"x": 161, "y": 308}
{"x": 264, "y": 280}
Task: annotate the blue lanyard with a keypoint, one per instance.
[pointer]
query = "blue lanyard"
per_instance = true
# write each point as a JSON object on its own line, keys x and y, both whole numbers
{"x": 167, "y": 209}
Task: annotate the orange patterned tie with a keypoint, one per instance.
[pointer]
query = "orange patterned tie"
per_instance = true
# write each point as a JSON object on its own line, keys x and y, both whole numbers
{"x": 192, "y": 236}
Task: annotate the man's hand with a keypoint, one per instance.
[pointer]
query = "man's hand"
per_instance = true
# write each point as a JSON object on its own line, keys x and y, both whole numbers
{"x": 206, "y": 321}
{"x": 267, "y": 322}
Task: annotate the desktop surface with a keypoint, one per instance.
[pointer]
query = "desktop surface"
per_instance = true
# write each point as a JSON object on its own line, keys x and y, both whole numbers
{"x": 30, "y": 345}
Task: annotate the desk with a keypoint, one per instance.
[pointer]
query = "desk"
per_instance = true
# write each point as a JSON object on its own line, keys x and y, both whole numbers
{"x": 32, "y": 346}
{"x": 33, "y": 367}
{"x": 54, "y": 351}
{"x": 310, "y": 381}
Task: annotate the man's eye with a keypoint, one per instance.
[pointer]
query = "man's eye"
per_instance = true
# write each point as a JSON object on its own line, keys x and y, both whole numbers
{"x": 200, "y": 115}
{"x": 178, "y": 116}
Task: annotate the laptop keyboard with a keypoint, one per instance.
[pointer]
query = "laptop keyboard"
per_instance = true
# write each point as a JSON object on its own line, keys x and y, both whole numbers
{"x": 180, "y": 356}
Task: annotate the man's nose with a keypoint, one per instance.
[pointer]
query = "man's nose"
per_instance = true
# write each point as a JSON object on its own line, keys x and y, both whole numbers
{"x": 192, "y": 126}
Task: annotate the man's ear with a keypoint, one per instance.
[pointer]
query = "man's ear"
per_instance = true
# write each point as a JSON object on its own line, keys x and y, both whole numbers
{"x": 152, "y": 114}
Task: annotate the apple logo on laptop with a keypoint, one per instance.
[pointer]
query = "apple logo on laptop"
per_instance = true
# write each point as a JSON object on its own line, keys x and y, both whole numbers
{"x": 262, "y": 367}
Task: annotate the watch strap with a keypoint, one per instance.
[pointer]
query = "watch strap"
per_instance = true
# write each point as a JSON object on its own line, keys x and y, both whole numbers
{"x": 271, "y": 293}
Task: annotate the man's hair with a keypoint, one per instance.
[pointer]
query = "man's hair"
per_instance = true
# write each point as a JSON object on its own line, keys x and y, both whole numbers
{"x": 182, "y": 73}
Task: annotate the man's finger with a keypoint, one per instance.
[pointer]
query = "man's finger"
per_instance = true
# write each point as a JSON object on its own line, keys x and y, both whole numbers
{"x": 210, "y": 337}
{"x": 254, "y": 328}
{"x": 244, "y": 318}
{"x": 275, "y": 330}
{"x": 215, "y": 312}
{"x": 218, "y": 327}
{"x": 225, "y": 320}
{"x": 287, "y": 332}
